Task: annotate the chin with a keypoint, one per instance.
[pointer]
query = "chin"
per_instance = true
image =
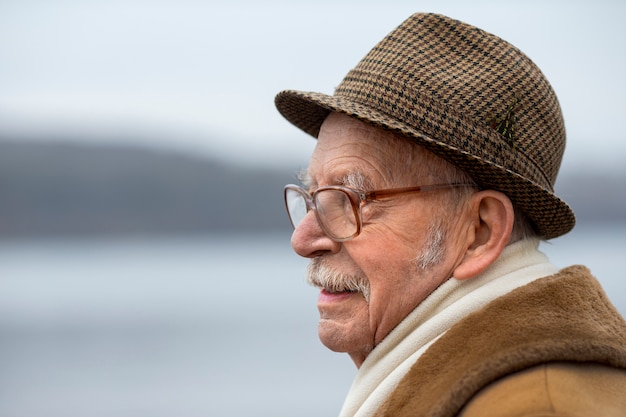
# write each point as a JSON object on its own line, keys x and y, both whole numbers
{"x": 342, "y": 337}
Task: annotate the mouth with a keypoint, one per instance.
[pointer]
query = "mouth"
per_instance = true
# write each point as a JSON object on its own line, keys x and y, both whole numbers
{"x": 335, "y": 291}
{"x": 327, "y": 296}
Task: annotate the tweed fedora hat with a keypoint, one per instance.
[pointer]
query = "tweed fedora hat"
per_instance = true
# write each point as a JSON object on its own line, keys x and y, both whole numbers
{"x": 467, "y": 96}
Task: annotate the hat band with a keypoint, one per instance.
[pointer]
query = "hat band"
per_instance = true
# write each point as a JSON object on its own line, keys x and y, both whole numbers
{"x": 439, "y": 122}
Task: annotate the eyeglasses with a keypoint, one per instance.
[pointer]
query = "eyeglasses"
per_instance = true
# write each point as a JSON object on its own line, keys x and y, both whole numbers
{"x": 338, "y": 208}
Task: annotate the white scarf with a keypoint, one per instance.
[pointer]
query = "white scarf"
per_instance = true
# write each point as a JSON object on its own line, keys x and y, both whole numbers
{"x": 519, "y": 264}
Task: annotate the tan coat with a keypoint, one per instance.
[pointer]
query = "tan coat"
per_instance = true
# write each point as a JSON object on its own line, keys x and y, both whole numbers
{"x": 555, "y": 347}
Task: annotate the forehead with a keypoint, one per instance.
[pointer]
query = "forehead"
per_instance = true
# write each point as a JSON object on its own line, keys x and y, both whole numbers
{"x": 346, "y": 145}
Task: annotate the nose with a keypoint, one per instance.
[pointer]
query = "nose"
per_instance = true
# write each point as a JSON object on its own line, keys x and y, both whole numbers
{"x": 309, "y": 240}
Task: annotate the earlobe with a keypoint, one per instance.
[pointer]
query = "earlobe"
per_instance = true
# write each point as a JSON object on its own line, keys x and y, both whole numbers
{"x": 490, "y": 225}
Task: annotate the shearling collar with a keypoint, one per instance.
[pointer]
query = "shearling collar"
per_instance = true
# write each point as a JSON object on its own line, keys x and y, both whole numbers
{"x": 563, "y": 317}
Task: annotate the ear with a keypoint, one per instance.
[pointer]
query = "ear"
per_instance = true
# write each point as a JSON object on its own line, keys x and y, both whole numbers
{"x": 490, "y": 223}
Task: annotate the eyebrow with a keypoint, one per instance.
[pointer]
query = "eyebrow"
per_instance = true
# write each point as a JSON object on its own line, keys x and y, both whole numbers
{"x": 356, "y": 180}
{"x": 353, "y": 179}
{"x": 304, "y": 177}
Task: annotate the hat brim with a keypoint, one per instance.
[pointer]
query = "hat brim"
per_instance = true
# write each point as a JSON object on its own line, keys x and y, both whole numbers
{"x": 550, "y": 215}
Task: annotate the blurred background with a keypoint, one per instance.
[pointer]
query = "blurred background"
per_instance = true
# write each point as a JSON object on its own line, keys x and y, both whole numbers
{"x": 145, "y": 267}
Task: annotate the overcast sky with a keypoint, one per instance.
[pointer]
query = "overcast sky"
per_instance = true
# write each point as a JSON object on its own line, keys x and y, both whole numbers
{"x": 201, "y": 75}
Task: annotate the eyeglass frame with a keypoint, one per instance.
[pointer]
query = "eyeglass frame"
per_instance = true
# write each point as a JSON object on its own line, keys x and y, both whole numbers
{"x": 358, "y": 199}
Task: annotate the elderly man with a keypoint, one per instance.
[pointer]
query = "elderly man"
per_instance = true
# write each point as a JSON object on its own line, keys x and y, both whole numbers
{"x": 429, "y": 189}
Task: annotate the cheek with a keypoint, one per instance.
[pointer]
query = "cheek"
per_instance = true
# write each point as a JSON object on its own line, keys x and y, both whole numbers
{"x": 400, "y": 230}
{"x": 387, "y": 253}
{"x": 397, "y": 283}
{"x": 393, "y": 279}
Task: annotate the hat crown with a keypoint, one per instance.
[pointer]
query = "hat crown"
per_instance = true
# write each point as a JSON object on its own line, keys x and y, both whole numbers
{"x": 432, "y": 65}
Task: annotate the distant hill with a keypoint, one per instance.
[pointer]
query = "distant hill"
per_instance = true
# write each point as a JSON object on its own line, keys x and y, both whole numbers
{"x": 68, "y": 189}
{"x": 63, "y": 189}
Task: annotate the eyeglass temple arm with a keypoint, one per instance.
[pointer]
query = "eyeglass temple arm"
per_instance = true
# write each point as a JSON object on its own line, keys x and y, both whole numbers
{"x": 373, "y": 195}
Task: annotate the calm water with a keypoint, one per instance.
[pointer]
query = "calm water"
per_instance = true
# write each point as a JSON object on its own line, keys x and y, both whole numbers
{"x": 212, "y": 326}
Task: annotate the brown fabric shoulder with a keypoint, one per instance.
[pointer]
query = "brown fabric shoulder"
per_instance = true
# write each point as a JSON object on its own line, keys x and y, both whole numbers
{"x": 555, "y": 389}
{"x": 562, "y": 318}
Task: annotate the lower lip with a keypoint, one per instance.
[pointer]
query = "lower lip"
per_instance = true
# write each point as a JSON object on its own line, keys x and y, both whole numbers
{"x": 329, "y": 297}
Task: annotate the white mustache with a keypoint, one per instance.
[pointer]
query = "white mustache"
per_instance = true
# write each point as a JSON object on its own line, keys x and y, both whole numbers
{"x": 322, "y": 276}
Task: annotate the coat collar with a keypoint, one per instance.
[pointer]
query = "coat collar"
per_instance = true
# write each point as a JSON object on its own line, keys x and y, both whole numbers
{"x": 564, "y": 317}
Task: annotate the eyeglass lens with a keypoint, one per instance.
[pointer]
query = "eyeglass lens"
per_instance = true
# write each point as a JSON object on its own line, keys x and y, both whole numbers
{"x": 296, "y": 206}
{"x": 334, "y": 211}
